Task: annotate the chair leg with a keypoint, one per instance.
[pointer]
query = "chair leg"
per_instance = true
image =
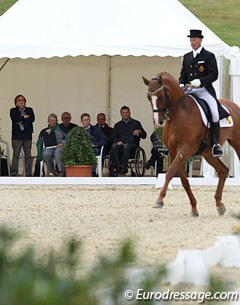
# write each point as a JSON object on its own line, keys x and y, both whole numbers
{"x": 41, "y": 168}
{"x": 100, "y": 171}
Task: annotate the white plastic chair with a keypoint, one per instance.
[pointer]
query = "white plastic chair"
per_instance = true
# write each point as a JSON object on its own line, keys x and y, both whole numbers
{"x": 42, "y": 161}
{"x": 6, "y": 154}
{"x": 100, "y": 163}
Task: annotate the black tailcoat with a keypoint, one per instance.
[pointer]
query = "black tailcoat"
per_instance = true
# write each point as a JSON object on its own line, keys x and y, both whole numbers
{"x": 203, "y": 67}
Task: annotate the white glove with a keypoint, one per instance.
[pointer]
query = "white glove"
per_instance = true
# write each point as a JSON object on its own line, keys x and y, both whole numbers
{"x": 181, "y": 86}
{"x": 196, "y": 83}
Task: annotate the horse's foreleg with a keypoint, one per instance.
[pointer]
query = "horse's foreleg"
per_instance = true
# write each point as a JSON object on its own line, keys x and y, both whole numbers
{"x": 178, "y": 161}
{"x": 222, "y": 172}
{"x": 186, "y": 185}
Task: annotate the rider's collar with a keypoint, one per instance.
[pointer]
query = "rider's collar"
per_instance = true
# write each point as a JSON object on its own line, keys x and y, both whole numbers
{"x": 198, "y": 51}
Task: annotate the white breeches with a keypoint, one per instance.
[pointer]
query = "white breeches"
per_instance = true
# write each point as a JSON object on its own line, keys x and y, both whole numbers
{"x": 212, "y": 103}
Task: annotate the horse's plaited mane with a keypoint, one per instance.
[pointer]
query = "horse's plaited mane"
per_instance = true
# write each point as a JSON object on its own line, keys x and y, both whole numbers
{"x": 165, "y": 74}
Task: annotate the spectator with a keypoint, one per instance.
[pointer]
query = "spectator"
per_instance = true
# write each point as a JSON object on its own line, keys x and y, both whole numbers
{"x": 96, "y": 136}
{"x": 126, "y": 137}
{"x": 156, "y": 152}
{"x": 107, "y": 130}
{"x": 66, "y": 124}
{"x": 50, "y": 146}
{"x": 22, "y": 128}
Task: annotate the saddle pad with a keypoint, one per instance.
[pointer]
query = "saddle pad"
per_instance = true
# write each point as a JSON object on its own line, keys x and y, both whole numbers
{"x": 226, "y": 122}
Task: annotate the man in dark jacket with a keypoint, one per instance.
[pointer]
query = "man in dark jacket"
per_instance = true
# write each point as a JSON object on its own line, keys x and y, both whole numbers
{"x": 22, "y": 128}
{"x": 126, "y": 138}
{"x": 107, "y": 130}
{"x": 199, "y": 68}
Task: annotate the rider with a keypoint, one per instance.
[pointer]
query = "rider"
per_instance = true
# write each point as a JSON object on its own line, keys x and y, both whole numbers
{"x": 199, "y": 68}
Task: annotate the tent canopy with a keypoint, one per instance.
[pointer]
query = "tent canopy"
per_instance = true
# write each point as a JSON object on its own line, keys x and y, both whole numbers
{"x": 43, "y": 28}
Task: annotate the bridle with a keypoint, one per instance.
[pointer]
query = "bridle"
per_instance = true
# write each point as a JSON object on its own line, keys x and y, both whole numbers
{"x": 165, "y": 98}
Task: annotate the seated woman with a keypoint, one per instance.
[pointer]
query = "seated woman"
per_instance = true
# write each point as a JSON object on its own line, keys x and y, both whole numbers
{"x": 50, "y": 145}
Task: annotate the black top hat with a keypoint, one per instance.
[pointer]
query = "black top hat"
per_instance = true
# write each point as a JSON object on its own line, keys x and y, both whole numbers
{"x": 195, "y": 33}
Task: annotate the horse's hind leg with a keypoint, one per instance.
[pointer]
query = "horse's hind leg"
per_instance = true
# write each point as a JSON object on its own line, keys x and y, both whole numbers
{"x": 186, "y": 185}
{"x": 222, "y": 172}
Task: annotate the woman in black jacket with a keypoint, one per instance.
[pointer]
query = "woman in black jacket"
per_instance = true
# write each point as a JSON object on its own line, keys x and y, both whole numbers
{"x": 22, "y": 128}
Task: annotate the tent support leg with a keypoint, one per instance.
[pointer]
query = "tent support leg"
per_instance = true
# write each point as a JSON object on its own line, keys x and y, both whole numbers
{"x": 4, "y": 64}
{"x": 108, "y": 114}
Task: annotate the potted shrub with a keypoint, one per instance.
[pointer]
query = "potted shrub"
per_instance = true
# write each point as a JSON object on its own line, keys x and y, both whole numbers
{"x": 78, "y": 156}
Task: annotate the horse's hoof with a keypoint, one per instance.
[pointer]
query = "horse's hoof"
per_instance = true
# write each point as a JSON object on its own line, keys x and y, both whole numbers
{"x": 221, "y": 209}
{"x": 194, "y": 214}
{"x": 158, "y": 205}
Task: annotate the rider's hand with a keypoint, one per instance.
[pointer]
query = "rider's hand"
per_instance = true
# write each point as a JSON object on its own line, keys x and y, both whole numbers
{"x": 181, "y": 86}
{"x": 196, "y": 83}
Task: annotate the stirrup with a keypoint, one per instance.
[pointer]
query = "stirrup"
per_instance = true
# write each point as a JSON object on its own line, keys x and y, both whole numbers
{"x": 217, "y": 150}
{"x": 164, "y": 152}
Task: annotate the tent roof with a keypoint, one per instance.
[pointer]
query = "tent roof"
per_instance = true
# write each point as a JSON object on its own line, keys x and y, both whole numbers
{"x": 43, "y": 28}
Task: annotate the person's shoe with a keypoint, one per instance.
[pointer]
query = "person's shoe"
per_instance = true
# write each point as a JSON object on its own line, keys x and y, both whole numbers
{"x": 117, "y": 169}
{"x": 61, "y": 174}
{"x": 14, "y": 175}
{"x": 217, "y": 150}
{"x": 112, "y": 174}
{"x": 53, "y": 174}
{"x": 124, "y": 170}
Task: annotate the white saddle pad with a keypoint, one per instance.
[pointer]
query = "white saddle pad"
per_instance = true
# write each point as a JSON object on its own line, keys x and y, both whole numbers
{"x": 226, "y": 122}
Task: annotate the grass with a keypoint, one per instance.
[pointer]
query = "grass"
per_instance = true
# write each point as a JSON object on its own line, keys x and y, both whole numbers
{"x": 221, "y": 16}
{"x": 5, "y": 5}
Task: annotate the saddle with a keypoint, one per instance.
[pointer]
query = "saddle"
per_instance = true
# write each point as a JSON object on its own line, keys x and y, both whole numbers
{"x": 224, "y": 115}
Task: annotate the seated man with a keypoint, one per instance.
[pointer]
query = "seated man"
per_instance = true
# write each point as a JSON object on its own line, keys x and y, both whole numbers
{"x": 50, "y": 145}
{"x": 66, "y": 124}
{"x": 96, "y": 136}
{"x": 126, "y": 137}
{"x": 107, "y": 130}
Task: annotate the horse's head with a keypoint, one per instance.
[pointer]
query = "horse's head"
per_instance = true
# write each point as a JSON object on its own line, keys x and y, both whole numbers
{"x": 163, "y": 92}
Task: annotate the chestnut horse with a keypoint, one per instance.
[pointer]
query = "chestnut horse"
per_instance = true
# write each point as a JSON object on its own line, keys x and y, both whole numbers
{"x": 184, "y": 131}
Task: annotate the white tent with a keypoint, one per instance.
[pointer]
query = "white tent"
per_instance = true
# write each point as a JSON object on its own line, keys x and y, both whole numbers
{"x": 42, "y": 28}
{"x": 89, "y": 56}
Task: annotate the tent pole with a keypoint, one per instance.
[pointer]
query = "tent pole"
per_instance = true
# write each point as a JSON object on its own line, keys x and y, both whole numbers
{"x": 108, "y": 114}
{"x": 4, "y": 64}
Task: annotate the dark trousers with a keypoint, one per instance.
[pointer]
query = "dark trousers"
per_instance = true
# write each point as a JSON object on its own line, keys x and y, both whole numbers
{"x": 17, "y": 145}
{"x": 156, "y": 156}
{"x": 125, "y": 150}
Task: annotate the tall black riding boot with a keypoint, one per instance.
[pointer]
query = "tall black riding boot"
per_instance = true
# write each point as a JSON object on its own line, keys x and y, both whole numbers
{"x": 217, "y": 148}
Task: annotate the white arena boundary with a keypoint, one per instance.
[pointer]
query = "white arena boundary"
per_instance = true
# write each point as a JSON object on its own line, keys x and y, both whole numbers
{"x": 158, "y": 182}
